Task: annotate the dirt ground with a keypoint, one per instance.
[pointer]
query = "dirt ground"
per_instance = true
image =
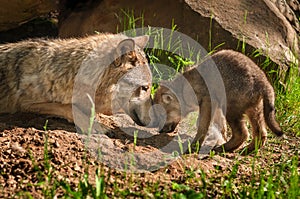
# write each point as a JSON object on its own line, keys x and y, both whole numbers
{"x": 24, "y": 138}
{"x": 28, "y": 148}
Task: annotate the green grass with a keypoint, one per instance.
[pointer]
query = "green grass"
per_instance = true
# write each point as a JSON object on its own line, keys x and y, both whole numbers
{"x": 288, "y": 107}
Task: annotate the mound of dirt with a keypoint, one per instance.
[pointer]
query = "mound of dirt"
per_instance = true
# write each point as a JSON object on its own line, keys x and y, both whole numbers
{"x": 36, "y": 152}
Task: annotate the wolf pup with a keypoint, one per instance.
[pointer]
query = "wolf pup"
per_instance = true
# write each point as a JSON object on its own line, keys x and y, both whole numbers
{"x": 247, "y": 90}
{"x": 39, "y": 75}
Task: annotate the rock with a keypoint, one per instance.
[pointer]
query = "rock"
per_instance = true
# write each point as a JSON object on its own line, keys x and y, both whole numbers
{"x": 290, "y": 9}
{"x": 262, "y": 24}
{"x": 13, "y": 13}
{"x": 259, "y": 22}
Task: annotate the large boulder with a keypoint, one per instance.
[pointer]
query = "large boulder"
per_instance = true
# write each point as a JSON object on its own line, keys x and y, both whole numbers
{"x": 261, "y": 24}
{"x": 257, "y": 22}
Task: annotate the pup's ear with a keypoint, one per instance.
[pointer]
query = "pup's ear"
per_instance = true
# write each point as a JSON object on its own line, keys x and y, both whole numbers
{"x": 141, "y": 41}
{"x": 167, "y": 98}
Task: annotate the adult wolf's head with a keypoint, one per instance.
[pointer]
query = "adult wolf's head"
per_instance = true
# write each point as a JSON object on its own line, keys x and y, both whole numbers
{"x": 116, "y": 73}
{"x": 132, "y": 80}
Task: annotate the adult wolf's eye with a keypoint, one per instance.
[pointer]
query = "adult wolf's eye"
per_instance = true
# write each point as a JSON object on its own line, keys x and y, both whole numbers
{"x": 144, "y": 88}
{"x": 118, "y": 61}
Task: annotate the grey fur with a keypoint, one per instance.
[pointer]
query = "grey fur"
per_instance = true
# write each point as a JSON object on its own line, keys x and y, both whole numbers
{"x": 38, "y": 75}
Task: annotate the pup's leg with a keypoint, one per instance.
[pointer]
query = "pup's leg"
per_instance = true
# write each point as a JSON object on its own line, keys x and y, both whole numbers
{"x": 259, "y": 131}
{"x": 204, "y": 120}
{"x": 239, "y": 135}
{"x": 221, "y": 123}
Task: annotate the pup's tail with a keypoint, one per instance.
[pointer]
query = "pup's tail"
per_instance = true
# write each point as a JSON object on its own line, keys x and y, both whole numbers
{"x": 269, "y": 111}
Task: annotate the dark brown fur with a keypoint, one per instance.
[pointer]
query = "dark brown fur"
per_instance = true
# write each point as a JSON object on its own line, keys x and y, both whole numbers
{"x": 248, "y": 92}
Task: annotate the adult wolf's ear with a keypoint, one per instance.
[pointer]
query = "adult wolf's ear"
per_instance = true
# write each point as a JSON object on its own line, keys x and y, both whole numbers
{"x": 125, "y": 46}
{"x": 128, "y": 45}
{"x": 141, "y": 41}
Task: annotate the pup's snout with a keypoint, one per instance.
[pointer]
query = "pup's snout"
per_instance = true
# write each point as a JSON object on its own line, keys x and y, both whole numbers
{"x": 158, "y": 116}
